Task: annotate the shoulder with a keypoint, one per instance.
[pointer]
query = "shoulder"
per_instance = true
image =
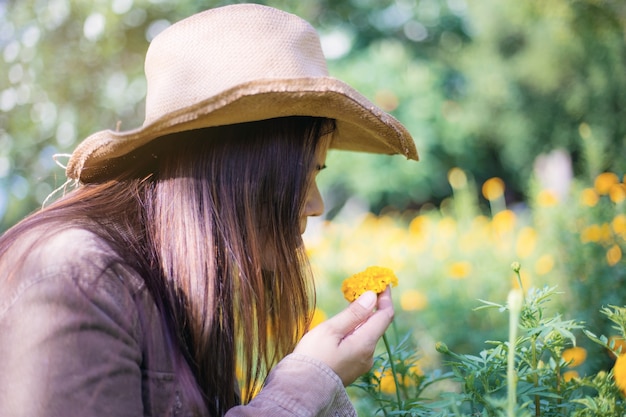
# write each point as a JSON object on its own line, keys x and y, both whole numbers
{"x": 72, "y": 318}
{"x": 68, "y": 262}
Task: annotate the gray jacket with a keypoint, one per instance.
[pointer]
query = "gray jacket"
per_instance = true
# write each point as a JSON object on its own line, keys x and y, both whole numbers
{"x": 76, "y": 332}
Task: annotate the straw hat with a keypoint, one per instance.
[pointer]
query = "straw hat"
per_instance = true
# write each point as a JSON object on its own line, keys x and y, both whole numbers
{"x": 242, "y": 63}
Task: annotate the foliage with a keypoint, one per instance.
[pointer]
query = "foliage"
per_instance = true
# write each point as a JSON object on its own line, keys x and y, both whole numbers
{"x": 589, "y": 240}
{"x": 449, "y": 257}
{"x": 526, "y": 375}
{"x": 486, "y": 86}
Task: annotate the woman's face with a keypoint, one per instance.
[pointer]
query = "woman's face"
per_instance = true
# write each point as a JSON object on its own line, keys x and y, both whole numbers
{"x": 314, "y": 205}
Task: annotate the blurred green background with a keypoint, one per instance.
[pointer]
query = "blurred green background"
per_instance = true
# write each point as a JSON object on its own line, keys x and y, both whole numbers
{"x": 529, "y": 92}
{"x": 484, "y": 85}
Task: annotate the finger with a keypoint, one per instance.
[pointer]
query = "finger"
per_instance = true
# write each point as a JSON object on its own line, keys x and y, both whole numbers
{"x": 376, "y": 324}
{"x": 356, "y": 313}
{"x": 384, "y": 301}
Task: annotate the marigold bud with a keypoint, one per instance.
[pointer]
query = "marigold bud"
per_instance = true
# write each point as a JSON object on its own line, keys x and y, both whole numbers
{"x": 441, "y": 347}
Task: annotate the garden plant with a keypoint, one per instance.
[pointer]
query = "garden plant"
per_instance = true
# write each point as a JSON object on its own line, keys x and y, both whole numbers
{"x": 452, "y": 349}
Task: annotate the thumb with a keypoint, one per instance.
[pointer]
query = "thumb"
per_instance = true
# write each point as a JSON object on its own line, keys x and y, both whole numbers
{"x": 356, "y": 313}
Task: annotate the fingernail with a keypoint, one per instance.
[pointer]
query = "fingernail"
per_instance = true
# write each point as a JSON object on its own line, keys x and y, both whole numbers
{"x": 367, "y": 299}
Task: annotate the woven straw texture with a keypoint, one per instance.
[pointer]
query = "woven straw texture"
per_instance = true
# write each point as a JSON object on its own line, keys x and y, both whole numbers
{"x": 236, "y": 64}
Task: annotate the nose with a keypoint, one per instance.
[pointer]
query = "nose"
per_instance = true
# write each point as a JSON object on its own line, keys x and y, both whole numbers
{"x": 314, "y": 205}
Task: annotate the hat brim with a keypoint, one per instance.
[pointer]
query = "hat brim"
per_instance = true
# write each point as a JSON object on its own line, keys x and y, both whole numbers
{"x": 360, "y": 125}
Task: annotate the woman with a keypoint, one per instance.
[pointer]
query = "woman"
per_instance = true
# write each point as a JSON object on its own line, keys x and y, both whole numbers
{"x": 177, "y": 262}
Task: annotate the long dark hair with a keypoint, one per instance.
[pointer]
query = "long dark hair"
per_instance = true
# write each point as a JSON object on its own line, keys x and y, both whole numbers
{"x": 210, "y": 219}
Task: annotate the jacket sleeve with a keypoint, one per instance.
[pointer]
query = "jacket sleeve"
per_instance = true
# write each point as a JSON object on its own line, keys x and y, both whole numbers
{"x": 299, "y": 386}
{"x": 79, "y": 336}
{"x": 66, "y": 349}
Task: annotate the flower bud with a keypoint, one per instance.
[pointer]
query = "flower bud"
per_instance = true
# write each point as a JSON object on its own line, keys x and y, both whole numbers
{"x": 441, "y": 347}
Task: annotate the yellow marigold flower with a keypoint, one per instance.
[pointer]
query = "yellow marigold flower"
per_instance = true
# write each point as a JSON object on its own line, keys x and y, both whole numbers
{"x": 619, "y": 224}
{"x": 547, "y": 198}
{"x": 419, "y": 225}
{"x": 544, "y": 264}
{"x": 493, "y": 188}
{"x": 589, "y": 197}
{"x": 413, "y": 300}
{"x": 569, "y": 375}
{"x": 604, "y": 182}
{"x": 318, "y": 317}
{"x": 374, "y": 278}
{"x": 459, "y": 270}
{"x": 590, "y": 234}
{"x": 504, "y": 221}
{"x": 619, "y": 372}
{"x": 613, "y": 255}
{"x": 526, "y": 242}
{"x": 617, "y": 193}
{"x": 574, "y": 356}
{"x": 387, "y": 384}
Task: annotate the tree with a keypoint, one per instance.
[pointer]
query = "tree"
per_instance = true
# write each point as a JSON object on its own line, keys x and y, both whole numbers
{"x": 484, "y": 85}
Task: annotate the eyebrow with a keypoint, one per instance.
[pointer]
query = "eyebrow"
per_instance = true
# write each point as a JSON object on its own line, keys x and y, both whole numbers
{"x": 320, "y": 167}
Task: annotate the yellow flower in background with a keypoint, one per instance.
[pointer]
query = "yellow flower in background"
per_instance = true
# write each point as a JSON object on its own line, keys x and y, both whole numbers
{"x": 617, "y": 193}
{"x": 387, "y": 385}
{"x": 459, "y": 270}
{"x": 569, "y": 375}
{"x": 574, "y": 356}
{"x": 604, "y": 182}
{"x": 419, "y": 233}
{"x": 547, "y": 198}
{"x": 613, "y": 255}
{"x": 544, "y": 264}
{"x": 591, "y": 233}
{"x": 619, "y": 224}
{"x": 589, "y": 197}
{"x": 413, "y": 300}
{"x": 503, "y": 222}
{"x": 596, "y": 233}
{"x": 318, "y": 317}
{"x": 374, "y": 278}
{"x": 493, "y": 188}
{"x": 619, "y": 372}
{"x": 526, "y": 242}
{"x": 419, "y": 225}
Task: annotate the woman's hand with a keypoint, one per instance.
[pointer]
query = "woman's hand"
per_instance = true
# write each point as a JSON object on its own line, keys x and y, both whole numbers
{"x": 346, "y": 342}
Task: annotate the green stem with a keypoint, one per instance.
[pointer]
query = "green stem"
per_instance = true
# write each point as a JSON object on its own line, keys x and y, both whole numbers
{"x": 515, "y": 306}
{"x": 519, "y": 282}
{"x": 393, "y": 371}
{"x": 535, "y": 364}
{"x": 511, "y": 375}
